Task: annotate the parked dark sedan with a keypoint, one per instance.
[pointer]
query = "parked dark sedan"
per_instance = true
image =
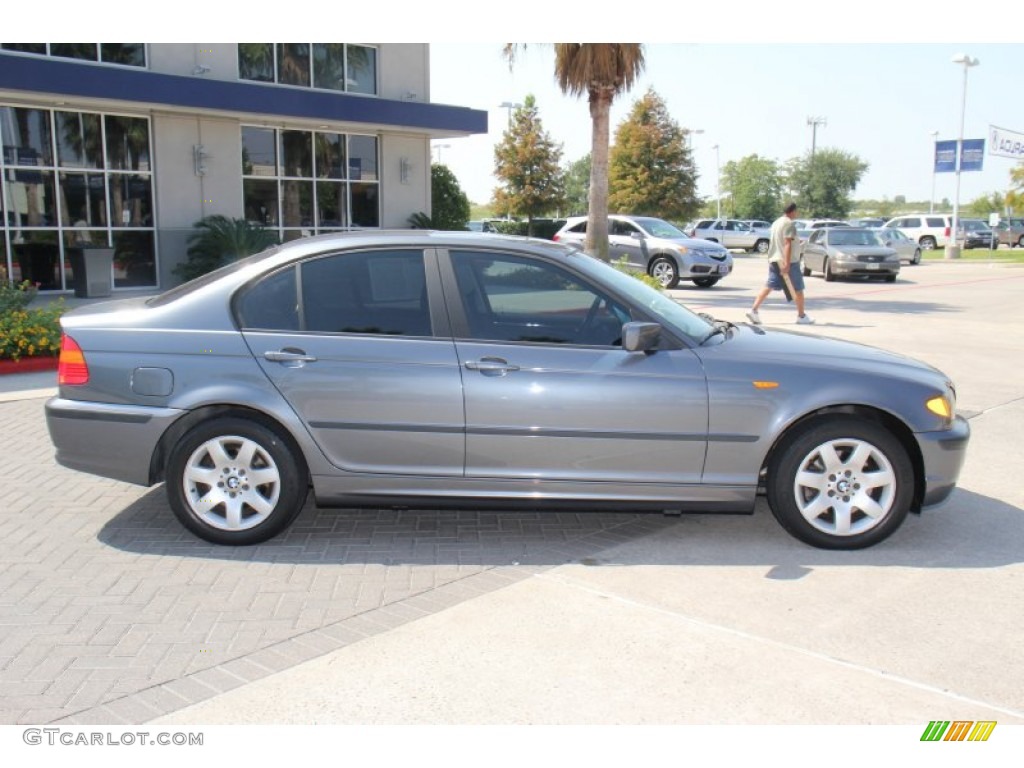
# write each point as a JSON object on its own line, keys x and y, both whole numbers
{"x": 849, "y": 252}
{"x": 461, "y": 369}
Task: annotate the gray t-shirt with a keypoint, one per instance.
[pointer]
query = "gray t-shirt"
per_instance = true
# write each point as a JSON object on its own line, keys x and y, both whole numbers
{"x": 783, "y": 229}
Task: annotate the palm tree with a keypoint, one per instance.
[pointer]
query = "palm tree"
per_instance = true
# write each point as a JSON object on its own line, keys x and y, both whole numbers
{"x": 602, "y": 71}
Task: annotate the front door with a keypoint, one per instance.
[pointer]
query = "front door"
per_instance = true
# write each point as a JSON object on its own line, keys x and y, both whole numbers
{"x": 550, "y": 393}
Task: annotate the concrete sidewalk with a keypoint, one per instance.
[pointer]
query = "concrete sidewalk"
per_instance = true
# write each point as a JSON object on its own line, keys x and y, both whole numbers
{"x": 24, "y": 386}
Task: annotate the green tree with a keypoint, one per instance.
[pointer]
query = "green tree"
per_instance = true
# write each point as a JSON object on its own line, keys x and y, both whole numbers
{"x": 526, "y": 162}
{"x": 1015, "y": 197}
{"x": 822, "y": 183}
{"x": 448, "y": 203}
{"x": 219, "y": 240}
{"x": 754, "y": 185}
{"x": 577, "y": 186}
{"x": 651, "y": 171}
{"x": 602, "y": 71}
{"x": 994, "y": 202}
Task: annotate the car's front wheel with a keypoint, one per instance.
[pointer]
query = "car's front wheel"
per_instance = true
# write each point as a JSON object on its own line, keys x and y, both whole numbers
{"x": 705, "y": 282}
{"x": 917, "y": 257}
{"x": 761, "y": 246}
{"x": 841, "y": 483}
{"x": 234, "y": 481}
{"x": 665, "y": 271}
{"x": 830, "y": 276}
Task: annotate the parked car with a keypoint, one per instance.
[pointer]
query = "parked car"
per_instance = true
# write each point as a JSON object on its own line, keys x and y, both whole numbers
{"x": 907, "y": 249}
{"x": 456, "y": 369}
{"x": 658, "y": 248}
{"x": 930, "y": 231}
{"x": 976, "y": 233}
{"x": 733, "y": 233}
{"x": 870, "y": 223}
{"x": 1011, "y": 232}
{"x": 849, "y": 252}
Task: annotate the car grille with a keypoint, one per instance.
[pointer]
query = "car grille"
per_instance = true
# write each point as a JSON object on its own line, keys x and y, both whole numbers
{"x": 871, "y": 259}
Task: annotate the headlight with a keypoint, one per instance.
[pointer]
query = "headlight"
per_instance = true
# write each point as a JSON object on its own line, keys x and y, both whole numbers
{"x": 841, "y": 255}
{"x": 681, "y": 249}
{"x": 942, "y": 405}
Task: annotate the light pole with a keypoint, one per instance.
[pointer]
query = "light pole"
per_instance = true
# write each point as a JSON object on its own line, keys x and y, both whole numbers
{"x": 814, "y": 122}
{"x": 439, "y": 147}
{"x": 690, "y": 134}
{"x": 718, "y": 181}
{"x": 509, "y": 106}
{"x": 931, "y": 200}
{"x": 953, "y": 250}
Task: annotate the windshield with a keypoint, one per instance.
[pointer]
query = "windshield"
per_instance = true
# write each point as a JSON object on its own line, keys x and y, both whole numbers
{"x": 655, "y": 302}
{"x": 853, "y": 237}
{"x": 658, "y": 228}
{"x": 974, "y": 225}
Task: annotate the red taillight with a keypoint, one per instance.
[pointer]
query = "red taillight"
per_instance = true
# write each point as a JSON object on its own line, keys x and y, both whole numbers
{"x": 947, "y": 231}
{"x": 71, "y": 367}
{"x": 555, "y": 238}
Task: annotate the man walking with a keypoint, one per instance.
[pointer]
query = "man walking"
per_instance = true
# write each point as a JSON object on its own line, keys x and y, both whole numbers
{"x": 783, "y": 267}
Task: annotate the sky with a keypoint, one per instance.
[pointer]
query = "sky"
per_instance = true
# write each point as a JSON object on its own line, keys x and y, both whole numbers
{"x": 880, "y": 101}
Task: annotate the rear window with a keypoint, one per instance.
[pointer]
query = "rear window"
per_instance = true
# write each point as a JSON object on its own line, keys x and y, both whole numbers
{"x": 210, "y": 277}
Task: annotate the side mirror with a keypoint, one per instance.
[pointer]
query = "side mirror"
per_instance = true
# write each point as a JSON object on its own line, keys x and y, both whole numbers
{"x": 641, "y": 337}
{"x": 637, "y": 235}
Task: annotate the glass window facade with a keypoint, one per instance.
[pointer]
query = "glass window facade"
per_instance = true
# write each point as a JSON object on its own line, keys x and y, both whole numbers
{"x": 124, "y": 54}
{"x": 302, "y": 183}
{"x": 328, "y": 66}
{"x": 74, "y": 179}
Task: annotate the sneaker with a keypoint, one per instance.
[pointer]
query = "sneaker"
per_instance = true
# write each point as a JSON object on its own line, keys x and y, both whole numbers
{"x": 804, "y": 320}
{"x": 754, "y": 317}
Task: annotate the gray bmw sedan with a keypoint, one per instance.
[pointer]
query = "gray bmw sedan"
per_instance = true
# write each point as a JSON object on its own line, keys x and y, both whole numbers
{"x": 433, "y": 369}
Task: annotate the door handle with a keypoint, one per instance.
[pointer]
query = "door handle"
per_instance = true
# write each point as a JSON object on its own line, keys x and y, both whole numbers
{"x": 491, "y": 366}
{"x": 289, "y": 355}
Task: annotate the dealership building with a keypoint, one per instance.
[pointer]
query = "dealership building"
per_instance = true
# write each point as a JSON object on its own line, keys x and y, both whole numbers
{"x": 126, "y": 146}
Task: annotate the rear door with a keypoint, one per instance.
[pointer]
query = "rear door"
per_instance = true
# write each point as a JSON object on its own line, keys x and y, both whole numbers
{"x": 550, "y": 393}
{"x": 359, "y": 345}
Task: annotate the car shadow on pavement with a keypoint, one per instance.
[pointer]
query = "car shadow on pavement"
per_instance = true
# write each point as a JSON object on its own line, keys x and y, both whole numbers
{"x": 969, "y": 531}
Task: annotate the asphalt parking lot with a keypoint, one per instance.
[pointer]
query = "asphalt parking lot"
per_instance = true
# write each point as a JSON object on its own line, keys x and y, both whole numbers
{"x": 111, "y": 613}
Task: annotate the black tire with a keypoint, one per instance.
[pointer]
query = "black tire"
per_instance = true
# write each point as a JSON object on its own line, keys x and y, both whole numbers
{"x": 890, "y": 278}
{"x": 705, "y": 282}
{"x": 761, "y": 246}
{"x": 805, "y": 269}
{"x": 1020, "y": 242}
{"x": 927, "y": 243}
{"x": 864, "y": 452}
{"x": 917, "y": 257}
{"x": 664, "y": 270}
{"x": 229, "y": 452}
{"x": 827, "y": 270}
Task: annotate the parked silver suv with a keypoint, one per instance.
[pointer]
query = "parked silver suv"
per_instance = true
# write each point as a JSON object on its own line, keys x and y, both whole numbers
{"x": 658, "y": 248}
{"x": 733, "y": 233}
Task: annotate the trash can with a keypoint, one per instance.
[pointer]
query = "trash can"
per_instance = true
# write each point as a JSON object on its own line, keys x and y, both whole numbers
{"x": 92, "y": 270}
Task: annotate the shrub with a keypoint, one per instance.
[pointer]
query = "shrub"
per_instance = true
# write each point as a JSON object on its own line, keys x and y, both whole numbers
{"x": 15, "y": 296}
{"x": 219, "y": 240}
{"x": 30, "y": 332}
{"x": 622, "y": 265}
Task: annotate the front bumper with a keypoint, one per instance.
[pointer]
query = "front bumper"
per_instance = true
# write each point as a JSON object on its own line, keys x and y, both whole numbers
{"x": 115, "y": 441}
{"x": 705, "y": 268}
{"x": 864, "y": 269}
{"x": 943, "y": 456}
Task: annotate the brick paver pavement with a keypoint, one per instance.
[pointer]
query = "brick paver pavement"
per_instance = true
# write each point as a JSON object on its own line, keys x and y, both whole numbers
{"x": 110, "y": 612}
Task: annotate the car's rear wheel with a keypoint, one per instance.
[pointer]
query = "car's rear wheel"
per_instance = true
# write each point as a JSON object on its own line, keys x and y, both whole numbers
{"x": 827, "y": 270}
{"x": 705, "y": 282}
{"x": 841, "y": 483}
{"x": 665, "y": 271}
{"x": 761, "y": 246}
{"x": 917, "y": 257}
{"x": 1020, "y": 242}
{"x": 928, "y": 243}
{"x": 236, "y": 482}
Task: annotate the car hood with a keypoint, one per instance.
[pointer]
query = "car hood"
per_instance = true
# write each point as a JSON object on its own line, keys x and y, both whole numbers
{"x": 791, "y": 348}
{"x": 694, "y": 243}
{"x": 863, "y": 250}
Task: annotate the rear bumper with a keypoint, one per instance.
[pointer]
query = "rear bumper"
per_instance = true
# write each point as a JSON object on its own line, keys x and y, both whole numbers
{"x": 943, "y": 454}
{"x": 115, "y": 441}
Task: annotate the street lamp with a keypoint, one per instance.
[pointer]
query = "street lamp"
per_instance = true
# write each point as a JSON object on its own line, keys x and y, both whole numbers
{"x": 690, "y": 133}
{"x": 814, "y": 122}
{"x": 718, "y": 180}
{"x": 439, "y": 147}
{"x": 931, "y": 200}
{"x": 952, "y": 250}
{"x": 509, "y": 106}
